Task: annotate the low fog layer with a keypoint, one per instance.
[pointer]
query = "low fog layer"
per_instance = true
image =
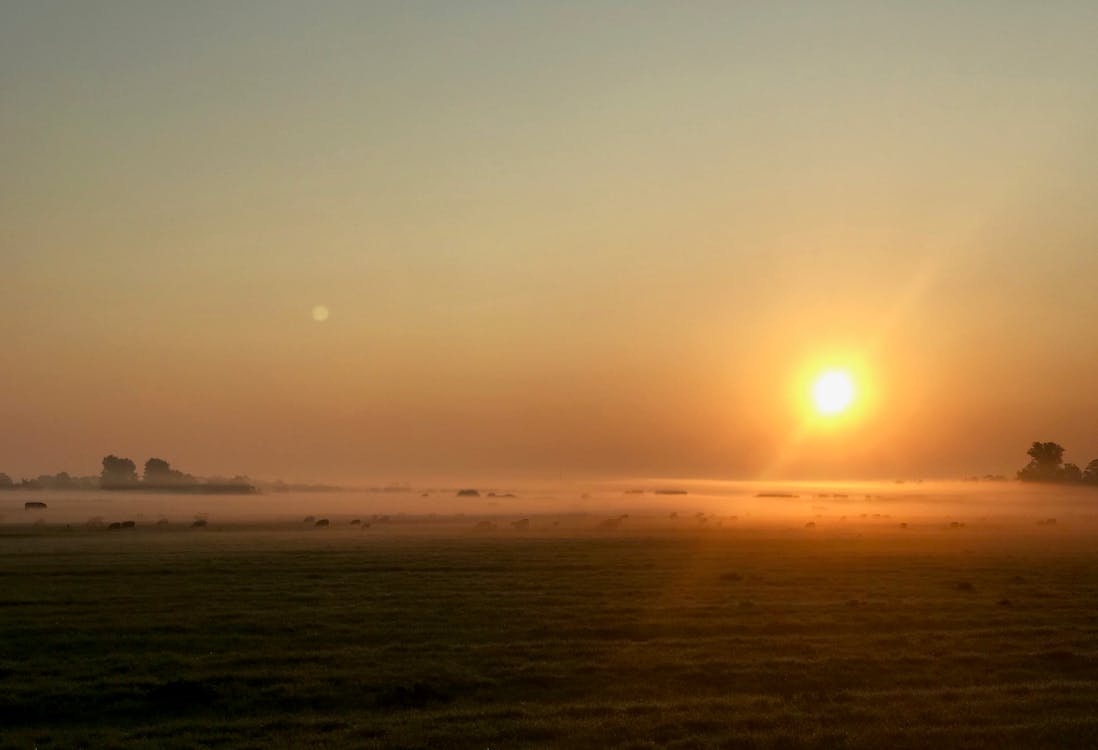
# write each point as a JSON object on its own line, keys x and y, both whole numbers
{"x": 646, "y": 503}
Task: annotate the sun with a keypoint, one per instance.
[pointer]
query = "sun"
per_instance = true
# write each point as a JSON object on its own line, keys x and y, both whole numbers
{"x": 833, "y": 392}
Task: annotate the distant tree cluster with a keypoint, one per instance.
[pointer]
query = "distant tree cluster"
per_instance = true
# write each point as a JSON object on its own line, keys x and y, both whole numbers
{"x": 159, "y": 473}
{"x": 1046, "y": 464}
{"x": 118, "y": 473}
{"x": 60, "y": 481}
{"x": 121, "y": 474}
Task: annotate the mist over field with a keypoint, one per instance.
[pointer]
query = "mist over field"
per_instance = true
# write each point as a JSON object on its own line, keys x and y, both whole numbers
{"x": 697, "y": 505}
{"x": 943, "y": 614}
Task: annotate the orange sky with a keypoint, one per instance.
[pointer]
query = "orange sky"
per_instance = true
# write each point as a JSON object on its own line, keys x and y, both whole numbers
{"x": 587, "y": 239}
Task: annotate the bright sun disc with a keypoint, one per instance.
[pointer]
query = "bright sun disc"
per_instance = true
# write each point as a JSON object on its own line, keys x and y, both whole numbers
{"x": 833, "y": 392}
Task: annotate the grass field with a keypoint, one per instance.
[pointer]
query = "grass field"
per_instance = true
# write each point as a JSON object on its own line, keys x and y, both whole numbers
{"x": 431, "y": 635}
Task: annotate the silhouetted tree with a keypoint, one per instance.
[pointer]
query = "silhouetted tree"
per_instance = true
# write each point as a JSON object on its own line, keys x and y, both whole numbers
{"x": 1047, "y": 454}
{"x": 5, "y": 482}
{"x": 1071, "y": 473}
{"x": 1045, "y": 463}
{"x": 157, "y": 467}
{"x": 59, "y": 481}
{"x": 159, "y": 473}
{"x": 1090, "y": 474}
{"x": 118, "y": 473}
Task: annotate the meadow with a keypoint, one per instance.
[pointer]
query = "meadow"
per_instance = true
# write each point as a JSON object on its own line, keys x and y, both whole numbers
{"x": 839, "y": 631}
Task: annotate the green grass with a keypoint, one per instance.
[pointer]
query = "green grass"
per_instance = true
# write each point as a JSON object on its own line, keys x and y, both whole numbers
{"x": 239, "y": 638}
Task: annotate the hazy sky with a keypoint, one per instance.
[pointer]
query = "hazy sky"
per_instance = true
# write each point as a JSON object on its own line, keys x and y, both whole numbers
{"x": 554, "y": 238}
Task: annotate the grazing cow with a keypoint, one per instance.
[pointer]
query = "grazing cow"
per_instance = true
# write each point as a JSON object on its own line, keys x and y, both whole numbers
{"x": 468, "y": 493}
{"x": 128, "y": 524}
{"x": 162, "y": 522}
{"x": 323, "y": 523}
{"x": 114, "y": 526}
{"x": 309, "y": 519}
{"x": 613, "y": 523}
{"x": 198, "y": 523}
{"x": 356, "y": 522}
{"x": 32, "y": 505}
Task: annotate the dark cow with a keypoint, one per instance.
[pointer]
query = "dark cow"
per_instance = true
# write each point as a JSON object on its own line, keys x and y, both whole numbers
{"x": 32, "y": 505}
{"x": 323, "y": 523}
{"x": 128, "y": 524}
{"x": 114, "y": 526}
{"x": 356, "y": 522}
{"x": 199, "y": 523}
{"x": 613, "y": 523}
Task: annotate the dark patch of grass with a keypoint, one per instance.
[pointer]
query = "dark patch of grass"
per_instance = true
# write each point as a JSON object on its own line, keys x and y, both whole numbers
{"x": 181, "y": 696}
{"x": 416, "y": 695}
{"x": 230, "y": 640}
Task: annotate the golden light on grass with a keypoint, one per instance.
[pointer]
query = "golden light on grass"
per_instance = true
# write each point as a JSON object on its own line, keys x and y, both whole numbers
{"x": 833, "y": 392}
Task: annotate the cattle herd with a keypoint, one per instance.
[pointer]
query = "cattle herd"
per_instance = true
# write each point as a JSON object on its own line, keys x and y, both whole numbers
{"x": 521, "y": 524}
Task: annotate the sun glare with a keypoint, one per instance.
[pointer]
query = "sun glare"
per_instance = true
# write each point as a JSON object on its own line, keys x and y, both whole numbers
{"x": 833, "y": 392}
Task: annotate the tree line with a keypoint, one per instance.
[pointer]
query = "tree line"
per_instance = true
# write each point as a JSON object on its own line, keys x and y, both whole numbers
{"x": 121, "y": 474}
{"x": 59, "y": 481}
{"x": 1046, "y": 464}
